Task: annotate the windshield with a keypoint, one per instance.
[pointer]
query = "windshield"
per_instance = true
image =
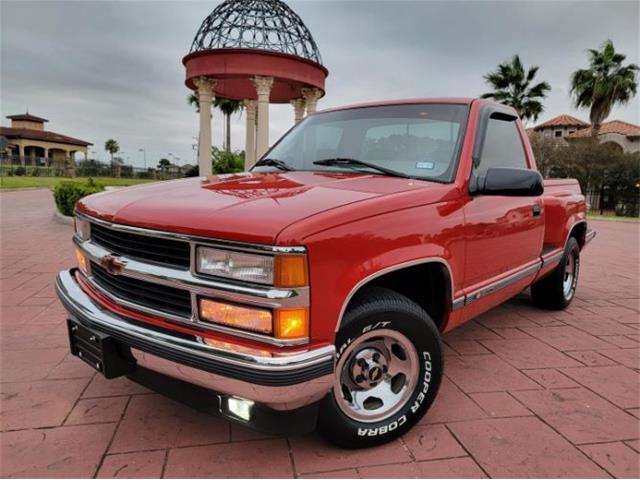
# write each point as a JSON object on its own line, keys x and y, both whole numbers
{"x": 420, "y": 141}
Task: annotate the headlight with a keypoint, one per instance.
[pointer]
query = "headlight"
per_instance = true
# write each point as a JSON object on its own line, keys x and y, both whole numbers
{"x": 236, "y": 265}
{"x": 83, "y": 228}
{"x": 281, "y": 270}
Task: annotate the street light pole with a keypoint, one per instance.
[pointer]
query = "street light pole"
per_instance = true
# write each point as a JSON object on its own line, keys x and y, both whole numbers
{"x": 144, "y": 156}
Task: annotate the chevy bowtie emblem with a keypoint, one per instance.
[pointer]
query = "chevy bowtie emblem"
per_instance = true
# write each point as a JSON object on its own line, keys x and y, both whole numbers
{"x": 112, "y": 264}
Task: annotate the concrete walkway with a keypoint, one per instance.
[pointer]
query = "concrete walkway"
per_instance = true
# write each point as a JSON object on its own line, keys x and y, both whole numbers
{"x": 527, "y": 392}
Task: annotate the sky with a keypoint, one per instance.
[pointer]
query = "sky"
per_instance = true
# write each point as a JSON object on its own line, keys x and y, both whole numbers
{"x": 112, "y": 69}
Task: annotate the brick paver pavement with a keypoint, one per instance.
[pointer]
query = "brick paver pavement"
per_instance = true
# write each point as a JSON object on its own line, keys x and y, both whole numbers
{"x": 527, "y": 392}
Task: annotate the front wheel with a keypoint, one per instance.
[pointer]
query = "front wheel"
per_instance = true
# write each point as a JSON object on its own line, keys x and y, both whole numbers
{"x": 389, "y": 367}
{"x": 556, "y": 290}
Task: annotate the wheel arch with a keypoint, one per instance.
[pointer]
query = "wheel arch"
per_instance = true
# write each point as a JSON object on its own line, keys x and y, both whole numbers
{"x": 427, "y": 282}
{"x": 579, "y": 232}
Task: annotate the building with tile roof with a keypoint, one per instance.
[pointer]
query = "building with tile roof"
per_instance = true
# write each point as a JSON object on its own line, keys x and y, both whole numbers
{"x": 28, "y": 143}
{"x": 565, "y": 128}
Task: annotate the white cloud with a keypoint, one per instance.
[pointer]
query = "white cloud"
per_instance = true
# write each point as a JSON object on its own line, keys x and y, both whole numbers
{"x": 100, "y": 70}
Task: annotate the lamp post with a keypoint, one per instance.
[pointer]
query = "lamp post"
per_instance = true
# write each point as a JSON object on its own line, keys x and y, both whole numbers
{"x": 144, "y": 156}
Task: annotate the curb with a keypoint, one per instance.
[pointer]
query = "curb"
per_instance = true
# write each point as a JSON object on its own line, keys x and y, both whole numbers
{"x": 60, "y": 218}
{"x": 24, "y": 189}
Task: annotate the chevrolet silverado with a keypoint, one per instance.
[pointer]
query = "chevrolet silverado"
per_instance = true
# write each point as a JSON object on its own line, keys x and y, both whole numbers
{"x": 314, "y": 290}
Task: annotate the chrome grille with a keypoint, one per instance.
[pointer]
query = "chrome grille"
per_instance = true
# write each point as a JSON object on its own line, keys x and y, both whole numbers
{"x": 142, "y": 247}
{"x": 162, "y": 298}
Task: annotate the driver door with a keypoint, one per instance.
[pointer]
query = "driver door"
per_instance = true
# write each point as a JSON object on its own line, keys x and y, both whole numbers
{"x": 503, "y": 234}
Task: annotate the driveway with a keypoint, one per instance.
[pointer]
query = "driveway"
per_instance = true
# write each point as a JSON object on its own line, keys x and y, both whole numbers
{"x": 527, "y": 393}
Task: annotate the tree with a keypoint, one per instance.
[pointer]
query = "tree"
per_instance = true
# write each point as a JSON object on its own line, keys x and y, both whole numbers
{"x": 545, "y": 151}
{"x": 112, "y": 147}
{"x": 512, "y": 85}
{"x": 164, "y": 163}
{"x": 605, "y": 83}
{"x": 227, "y": 106}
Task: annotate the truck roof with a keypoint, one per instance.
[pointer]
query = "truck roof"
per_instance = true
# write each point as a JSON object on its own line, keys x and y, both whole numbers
{"x": 405, "y": 101}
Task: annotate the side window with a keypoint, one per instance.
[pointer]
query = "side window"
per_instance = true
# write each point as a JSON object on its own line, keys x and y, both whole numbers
{"x": 502, "y": 146}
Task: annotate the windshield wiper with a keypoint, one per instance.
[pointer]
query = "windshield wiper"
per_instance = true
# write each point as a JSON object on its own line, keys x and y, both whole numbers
{"x": 273, "y": 162}
{"x": 330, "y": 162}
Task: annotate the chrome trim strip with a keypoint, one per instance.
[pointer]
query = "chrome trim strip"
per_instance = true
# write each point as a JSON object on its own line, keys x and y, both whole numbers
{"x": 264, "y": 297}
{"x": 383, "y": 271}
{"x": 82, "y": 305}
{"x": 552, "y": 258}
{"x": 502, "y": 283}
{"x": 230, "y": 244}
{"x": 458, "y": 303}
{"x": 590, "y": 235}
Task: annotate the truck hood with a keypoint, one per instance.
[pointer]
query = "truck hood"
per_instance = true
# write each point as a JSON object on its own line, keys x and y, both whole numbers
{"x": 250, "y": 207}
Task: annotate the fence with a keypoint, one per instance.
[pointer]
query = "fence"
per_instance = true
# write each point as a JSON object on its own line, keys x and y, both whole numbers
{"x": 612, "y": 200}
{"x": 43, "y": 167}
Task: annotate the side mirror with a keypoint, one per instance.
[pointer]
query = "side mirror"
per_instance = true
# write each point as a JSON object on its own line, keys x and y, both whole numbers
{"x": 511, "y": 182}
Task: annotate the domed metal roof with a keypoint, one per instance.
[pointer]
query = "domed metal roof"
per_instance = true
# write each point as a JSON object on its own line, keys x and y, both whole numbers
{"x": 256, "y": 24}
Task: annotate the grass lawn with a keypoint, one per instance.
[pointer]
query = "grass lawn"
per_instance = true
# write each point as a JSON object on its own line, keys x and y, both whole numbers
{"x": 49, "y": 182}
{"x": 612, "y": 218}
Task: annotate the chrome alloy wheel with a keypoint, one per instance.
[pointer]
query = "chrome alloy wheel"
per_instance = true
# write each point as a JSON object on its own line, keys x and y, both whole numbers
{"x": 570, "y": 275}
{"x": 376, "y": 375}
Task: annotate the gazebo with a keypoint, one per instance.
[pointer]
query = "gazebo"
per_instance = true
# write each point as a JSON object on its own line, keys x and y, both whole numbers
{"x": 259, "y": 52}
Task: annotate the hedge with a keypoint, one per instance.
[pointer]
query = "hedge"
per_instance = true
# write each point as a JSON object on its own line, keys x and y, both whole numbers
{"x": 67, "y": 194}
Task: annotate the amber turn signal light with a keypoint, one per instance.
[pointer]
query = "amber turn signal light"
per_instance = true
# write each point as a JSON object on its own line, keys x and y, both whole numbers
{"x": 252, "y": 319}
{"x": 82, "y": 262}
{"x": 290, "y": 271}
{"x": 291, "y": 323}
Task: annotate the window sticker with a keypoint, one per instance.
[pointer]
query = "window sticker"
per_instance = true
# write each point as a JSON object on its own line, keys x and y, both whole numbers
{"x": 426, "y": 165}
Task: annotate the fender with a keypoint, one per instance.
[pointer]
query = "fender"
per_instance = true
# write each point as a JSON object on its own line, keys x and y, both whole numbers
{"x": 393, "y": 268}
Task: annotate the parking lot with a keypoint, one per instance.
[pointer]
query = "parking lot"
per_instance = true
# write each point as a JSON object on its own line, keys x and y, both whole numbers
{"x": 527, "y": 393}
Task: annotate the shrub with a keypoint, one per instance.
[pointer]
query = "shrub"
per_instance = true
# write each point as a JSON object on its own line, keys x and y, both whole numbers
{"x": 192, "y": 171}
{"x": 35, "y": 172}
{"x": 67, "y": 194}
{"x": 20, "y": 171}
{"x": 227, "y": 162}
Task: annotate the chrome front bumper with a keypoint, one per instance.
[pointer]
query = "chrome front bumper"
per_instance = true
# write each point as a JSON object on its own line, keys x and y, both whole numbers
{"x": 284, "y": 382}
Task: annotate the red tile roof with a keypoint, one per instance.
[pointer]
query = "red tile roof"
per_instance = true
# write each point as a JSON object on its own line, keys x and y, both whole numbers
{"x": 28, "y": 117}
{"x": 42, "y": 135}
{"x": 562, "y": 121}
{"x": 614, "y": 126}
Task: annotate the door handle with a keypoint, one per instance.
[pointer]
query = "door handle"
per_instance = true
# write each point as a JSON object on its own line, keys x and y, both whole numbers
{"x": 536, "y": 210}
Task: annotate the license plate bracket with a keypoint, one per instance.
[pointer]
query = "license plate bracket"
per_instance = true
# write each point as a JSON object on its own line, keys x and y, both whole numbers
{"x": 100, "y": 351}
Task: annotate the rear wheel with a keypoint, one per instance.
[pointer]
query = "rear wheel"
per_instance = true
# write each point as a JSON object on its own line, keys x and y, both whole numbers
{"x": 388, "y": 370}
{"x": 556, "y": 290}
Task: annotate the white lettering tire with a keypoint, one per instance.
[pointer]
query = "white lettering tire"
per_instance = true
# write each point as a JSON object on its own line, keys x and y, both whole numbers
{"x": 388, "y": 370}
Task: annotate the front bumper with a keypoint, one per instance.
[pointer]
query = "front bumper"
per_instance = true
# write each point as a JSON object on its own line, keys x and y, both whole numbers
{"x": 284, "y": 382}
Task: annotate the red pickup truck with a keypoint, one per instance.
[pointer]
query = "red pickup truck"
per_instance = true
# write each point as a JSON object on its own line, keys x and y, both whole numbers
{"x": 315, "y": 289}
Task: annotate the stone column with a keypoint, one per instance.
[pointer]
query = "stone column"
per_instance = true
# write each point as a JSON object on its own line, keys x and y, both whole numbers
{"x": 311, "y": 96}
{"x": 46, "y": 157}
{"x": 21, "y": 154}
{"x": 263, "y": 88}
{"x": 298, "y": 109}
{"x": 250, "y": 139}
{"x": 205, "y": 97}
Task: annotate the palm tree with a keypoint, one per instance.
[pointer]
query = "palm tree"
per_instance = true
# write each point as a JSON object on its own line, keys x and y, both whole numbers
{"x": 513, "y": 86}
{"x": 605, "y": 83}
{"x": 112, "y": 147}
{"x": 227, "y": 106}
